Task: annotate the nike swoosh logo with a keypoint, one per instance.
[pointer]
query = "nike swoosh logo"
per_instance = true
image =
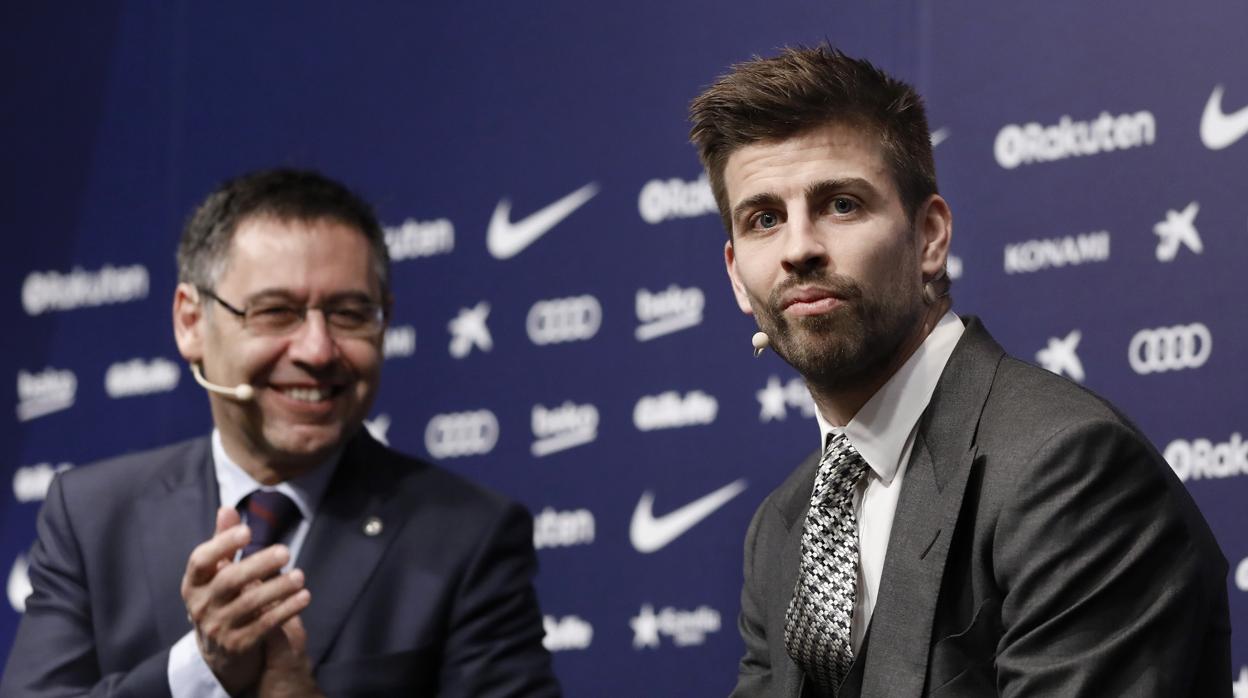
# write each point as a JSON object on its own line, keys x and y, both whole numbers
{"x": 1219, "y": 130}
{"x": 649, "y": 534}
{"x": 505, "y": 239}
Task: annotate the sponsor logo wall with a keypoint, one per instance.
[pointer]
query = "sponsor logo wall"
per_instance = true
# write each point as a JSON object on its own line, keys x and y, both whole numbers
{"x": 563, "y": 330}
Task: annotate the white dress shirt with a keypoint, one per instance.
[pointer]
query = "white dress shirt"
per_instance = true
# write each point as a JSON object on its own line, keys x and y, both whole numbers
{"x": 883, "y": 432}
{"x": 189, "y": 675}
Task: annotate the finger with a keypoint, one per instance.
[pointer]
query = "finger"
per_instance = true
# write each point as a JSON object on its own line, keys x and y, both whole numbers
{"x": 234, "y": 578}
{"x": 226, "y": 517}
{"x": 202, "y": 565}
{"x": 270, "y": 618}
{"x": 295, "y": 634}
{"x": 254, "y": 600}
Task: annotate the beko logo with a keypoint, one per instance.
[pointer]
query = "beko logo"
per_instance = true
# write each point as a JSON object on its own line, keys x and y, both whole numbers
{"x": 50, "y": 290}
{"x": 1170, "y": 348}
{"x": 1060, "y": 357}
{"x": 662, "y": 200}
{"x": 461, "y": 434}
{"x": 564, "y": 319}
{"x": 668, "y": 410}
{"x": 560, "y": 428}
{"x": 1034, "y": 255}
{"x": 31, "y": 482}
{"x": 1201, "y": 459}
{"x": 562, "y": 529}
{"x": 50, "y": 390}
{"x": 19, "y": 584}
{"x": 683, "y": 628}
{"x": 1178, "y": 230}
{"x": 776, "y": 399}
{"x": 567, "y": 633}
{"x": 400, "y": 341}
{"x": 667, "y": 311}
{"x": 413, "y": 239}
{"x": 1029, "y": 143}
{"x": 139, "y": 377}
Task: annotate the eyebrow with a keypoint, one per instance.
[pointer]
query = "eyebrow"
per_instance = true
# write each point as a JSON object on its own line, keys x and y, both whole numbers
{"x": 814, "y": 190}
{"x": 282, "y": 294}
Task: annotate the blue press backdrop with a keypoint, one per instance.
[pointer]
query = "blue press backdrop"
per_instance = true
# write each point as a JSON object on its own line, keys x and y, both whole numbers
{"x": 1091, "y": 219}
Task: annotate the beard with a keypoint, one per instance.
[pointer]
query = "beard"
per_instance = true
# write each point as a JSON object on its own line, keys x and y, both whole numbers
{"x": 849, "y": 345}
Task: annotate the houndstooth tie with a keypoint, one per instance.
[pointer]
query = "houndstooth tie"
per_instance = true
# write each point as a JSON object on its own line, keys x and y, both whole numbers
{"x": 816, "y": 627}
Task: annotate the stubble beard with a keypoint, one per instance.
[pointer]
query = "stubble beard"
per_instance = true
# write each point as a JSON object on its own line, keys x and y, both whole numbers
{"x": 850, "y": 345}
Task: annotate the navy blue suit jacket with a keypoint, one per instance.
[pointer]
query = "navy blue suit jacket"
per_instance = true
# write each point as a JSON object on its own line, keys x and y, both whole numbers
{"x": 440, "y": 602}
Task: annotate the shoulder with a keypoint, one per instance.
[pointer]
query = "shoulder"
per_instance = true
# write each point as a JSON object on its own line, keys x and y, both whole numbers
{"x": 130, "y": 474}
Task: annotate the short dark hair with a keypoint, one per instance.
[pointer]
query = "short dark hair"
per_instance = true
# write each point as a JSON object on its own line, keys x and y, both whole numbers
{"x": 283, "y": 194}
{"x": 770, "y": 99}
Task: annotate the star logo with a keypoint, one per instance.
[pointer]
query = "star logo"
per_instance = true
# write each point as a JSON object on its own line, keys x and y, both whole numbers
{"x": 771, "y": 400}
{"x": 1179, "y": 229}
{"x": 1060, "y": 357}
{"x": 469, "y": 330}
{"x": 645, "y": 627}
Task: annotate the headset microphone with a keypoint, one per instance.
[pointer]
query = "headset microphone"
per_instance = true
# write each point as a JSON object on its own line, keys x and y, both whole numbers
{"x": 241, "y": 392}
{"x": 760, "y": 340}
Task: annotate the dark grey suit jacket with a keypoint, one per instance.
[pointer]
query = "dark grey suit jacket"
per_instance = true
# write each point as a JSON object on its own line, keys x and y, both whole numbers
{"x": 439, "y": 603}
{"x": 1041, "y": 547}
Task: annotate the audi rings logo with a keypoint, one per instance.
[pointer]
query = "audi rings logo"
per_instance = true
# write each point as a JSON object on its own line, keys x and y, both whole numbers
{"x": 564, "y": 319}
{"x": 461, "y": 434}
{"x": 1170, "y": 348}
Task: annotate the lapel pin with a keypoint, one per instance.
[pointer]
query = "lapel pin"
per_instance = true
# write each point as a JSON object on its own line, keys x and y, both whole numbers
{"x": 372, "y": 526}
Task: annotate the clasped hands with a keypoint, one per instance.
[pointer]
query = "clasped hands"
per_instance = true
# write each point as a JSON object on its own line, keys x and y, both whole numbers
{"x": 246, "y": 614}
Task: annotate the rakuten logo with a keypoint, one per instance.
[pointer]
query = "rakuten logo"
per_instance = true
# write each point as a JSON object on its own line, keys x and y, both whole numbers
{"x": 683, "y": 628}
{"x": 564, "y": 319}
{"x": 1201, "y": 459}
{"x": 139, "y": 377}
{"x": 461, "y": 434}
{"x": 560, "y": 428}
{"x": 50, "y": 290}
{"x": 1174, "y": 348}
{"x": 1034, "y": 255}
{"x": 669, "y": 410}
{"x": 667, "y": 311}
{"x": 1029, "y": 143}
{"x": 400, "y": 341}
{"x": 567, "y": 633}
{"x": 562, "y": 529}
{"x": 50, "y": 390}
{"x": 31, "y": 482}
{"x": 413, "y": 239}
{"x": 662, "y": 200}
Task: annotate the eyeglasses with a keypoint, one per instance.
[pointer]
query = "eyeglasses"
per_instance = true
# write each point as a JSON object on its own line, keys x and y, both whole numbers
{"x": 346, "y": 318}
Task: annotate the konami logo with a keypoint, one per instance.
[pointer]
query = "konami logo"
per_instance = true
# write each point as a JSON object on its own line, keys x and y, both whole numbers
{"x": 1071, "y": 250}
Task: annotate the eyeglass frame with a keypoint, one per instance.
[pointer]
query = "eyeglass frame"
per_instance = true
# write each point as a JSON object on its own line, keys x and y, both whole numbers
{"x": 379, "y": 311}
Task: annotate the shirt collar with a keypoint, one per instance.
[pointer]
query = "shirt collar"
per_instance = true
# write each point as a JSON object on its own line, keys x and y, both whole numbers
{"x": 883, "y": 427}
{"x": 235, "y": 483}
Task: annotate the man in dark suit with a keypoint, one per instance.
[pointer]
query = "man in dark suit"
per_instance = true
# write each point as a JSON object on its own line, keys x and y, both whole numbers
{"x": 973, "y": 526}
{"x": 289, "y": 554}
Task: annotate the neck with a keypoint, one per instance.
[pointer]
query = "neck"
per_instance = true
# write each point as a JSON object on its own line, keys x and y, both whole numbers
{"x": 838, "y": 402}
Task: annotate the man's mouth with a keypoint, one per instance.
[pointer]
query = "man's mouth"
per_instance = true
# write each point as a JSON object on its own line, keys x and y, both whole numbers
{"x": 308, "y": 394}
{"x": 810, "y": 300}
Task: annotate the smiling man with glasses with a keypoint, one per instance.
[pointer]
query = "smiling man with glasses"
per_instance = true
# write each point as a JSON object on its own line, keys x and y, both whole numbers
{"x": 288, "y": 553}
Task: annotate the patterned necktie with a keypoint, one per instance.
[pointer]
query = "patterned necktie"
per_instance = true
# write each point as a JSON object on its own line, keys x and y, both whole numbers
{"x": 270, "y": 515}
{"x": 816, "y": 627}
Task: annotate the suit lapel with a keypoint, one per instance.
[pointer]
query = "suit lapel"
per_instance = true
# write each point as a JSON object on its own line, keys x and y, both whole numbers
{"x": 355, "y": 522}
{"x": 927, "y": 514}
{"x": 177, "y": 514}
{"x": 793, "y": 502}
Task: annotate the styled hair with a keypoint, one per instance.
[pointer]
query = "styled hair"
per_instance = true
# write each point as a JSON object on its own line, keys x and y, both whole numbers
{"x": 771, "y": 99}
{"x": 282, "y": 194}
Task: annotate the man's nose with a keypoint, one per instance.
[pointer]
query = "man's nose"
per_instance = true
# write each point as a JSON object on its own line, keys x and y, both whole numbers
{"x": 312, "y": 344}
{"x": 804, "y": 248}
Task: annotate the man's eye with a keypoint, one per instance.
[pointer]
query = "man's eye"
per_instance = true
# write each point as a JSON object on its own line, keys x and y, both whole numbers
{"x": 274, "y": 314}
{"x": 349, "y": 316}
{"x": 843, "y": 205}
{"x": 766, "y": 219}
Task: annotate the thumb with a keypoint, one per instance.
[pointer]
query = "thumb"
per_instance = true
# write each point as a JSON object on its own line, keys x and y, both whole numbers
{"x": 295, "y": 634}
